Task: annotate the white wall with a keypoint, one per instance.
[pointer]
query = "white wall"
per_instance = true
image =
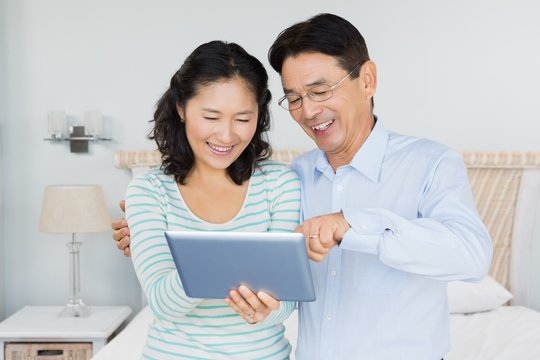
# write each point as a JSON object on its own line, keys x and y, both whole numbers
{"x": 463, "y": 73}
{"x": 2, "y": 171}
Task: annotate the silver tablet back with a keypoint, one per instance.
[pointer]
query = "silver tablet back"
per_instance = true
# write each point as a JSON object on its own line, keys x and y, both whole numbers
{"x": 210, "y": 263}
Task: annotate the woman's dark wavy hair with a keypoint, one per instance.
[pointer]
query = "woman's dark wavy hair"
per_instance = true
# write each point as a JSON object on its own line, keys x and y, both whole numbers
{"x": 211, "y": 62}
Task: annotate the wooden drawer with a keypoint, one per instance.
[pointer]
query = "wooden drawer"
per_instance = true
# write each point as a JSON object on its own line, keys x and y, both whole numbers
{"x": 48, "y": 351}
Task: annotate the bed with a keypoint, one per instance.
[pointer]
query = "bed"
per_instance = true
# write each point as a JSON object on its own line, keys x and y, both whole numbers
{"x": 489, "y": 320}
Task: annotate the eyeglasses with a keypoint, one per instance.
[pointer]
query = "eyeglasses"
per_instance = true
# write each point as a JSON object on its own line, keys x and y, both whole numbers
{"x": 317, "y": 93}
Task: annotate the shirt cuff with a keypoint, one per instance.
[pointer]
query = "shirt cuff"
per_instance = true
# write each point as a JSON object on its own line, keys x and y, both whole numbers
{"x": 367, "y": 229}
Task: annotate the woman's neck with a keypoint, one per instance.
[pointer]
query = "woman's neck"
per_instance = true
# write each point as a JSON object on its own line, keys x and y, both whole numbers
{"x": 206, "y": 175}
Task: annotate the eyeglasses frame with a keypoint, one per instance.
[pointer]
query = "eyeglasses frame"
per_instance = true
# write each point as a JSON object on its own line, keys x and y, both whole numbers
{"x": 309, "y": 94}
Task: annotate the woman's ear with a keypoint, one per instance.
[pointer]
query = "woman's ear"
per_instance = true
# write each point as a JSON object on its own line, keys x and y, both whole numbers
{"x": 181, "y": 113}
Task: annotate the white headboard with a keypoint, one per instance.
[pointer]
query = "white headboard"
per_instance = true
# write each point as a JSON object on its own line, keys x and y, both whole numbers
{"x": 506, "y": 187}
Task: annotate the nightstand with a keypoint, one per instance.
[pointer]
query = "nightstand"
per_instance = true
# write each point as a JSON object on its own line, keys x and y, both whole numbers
{"x": 38, "y": 331}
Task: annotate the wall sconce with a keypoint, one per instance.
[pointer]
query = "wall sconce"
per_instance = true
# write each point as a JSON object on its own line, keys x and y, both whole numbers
{"x": 79, "y": 135}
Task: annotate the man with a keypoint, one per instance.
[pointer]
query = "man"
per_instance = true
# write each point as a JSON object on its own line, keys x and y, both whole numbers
{"x": 390, "y": 218}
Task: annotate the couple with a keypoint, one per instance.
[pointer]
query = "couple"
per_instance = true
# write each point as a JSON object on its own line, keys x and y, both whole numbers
{"x": 388, "y": 219}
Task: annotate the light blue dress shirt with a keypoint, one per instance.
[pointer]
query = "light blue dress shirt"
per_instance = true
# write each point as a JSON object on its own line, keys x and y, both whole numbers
{"x": 381, "y": 294}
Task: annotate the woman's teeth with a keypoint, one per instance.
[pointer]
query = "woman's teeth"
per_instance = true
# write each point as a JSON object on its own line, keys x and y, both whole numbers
{"x": 220, "y": 148}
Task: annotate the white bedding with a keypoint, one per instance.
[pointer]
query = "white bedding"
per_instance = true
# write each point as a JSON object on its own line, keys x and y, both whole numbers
{"x": 508, "y": 332}
{"x": 129, "y": 343}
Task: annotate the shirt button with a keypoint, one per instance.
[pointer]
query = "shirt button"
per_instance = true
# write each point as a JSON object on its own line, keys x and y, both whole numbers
{"x": 329, "y": 318}
{"x": 333, "y": 273}
{"x": 339, "y": 187}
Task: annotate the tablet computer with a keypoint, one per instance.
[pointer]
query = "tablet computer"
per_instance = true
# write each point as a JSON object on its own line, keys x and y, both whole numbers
{"x": 211, "y": 263}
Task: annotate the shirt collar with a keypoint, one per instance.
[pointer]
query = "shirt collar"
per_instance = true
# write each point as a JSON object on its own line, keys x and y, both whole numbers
{"x": 367, "y": 160}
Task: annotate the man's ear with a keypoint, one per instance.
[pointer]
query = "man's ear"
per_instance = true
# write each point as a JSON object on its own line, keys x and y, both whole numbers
{"x": 368, "y": 75}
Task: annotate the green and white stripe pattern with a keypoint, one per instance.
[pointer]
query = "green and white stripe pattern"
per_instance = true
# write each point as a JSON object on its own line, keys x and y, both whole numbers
{"x": 187, "y": 328}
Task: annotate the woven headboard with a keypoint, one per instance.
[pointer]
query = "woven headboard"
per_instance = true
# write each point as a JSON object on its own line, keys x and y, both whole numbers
{"x": 506, "y": 188}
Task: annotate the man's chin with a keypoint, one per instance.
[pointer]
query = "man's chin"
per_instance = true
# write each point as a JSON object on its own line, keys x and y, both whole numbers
{"x": 325, "y": 145}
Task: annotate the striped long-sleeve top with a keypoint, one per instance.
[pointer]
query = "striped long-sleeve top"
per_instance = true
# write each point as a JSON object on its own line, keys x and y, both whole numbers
{"x": 188, "y": 328}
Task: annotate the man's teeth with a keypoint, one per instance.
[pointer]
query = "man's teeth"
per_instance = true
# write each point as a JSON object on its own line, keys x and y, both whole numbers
{"x": 220, "y": 148}
{"x": 323, "y": 125}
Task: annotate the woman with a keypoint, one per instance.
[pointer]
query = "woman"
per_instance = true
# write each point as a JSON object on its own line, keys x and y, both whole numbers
{"x": 210, "y": 126}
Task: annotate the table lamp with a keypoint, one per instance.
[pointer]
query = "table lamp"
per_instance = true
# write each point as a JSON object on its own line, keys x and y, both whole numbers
{"x": 74, "y": 209}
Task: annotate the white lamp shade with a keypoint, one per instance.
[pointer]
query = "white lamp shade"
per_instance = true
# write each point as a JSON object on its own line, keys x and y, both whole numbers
{"x": 74, "y": 209}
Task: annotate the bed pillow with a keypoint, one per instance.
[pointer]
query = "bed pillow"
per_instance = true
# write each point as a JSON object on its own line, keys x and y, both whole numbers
{"x": 465, "y": 297}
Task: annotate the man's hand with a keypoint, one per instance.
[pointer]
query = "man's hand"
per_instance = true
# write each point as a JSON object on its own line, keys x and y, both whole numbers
{"x": 121, "y": 232}
{"x": 252, "y": 307}
{"x": 322, "y": 233}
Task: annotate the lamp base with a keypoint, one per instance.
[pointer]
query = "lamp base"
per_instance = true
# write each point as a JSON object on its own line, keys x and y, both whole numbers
{"x": 76, "y": 310}
{"x": 75, "y": 307}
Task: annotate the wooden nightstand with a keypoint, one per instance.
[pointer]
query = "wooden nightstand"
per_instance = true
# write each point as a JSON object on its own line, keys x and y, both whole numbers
{"x": 38, "y": 331}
